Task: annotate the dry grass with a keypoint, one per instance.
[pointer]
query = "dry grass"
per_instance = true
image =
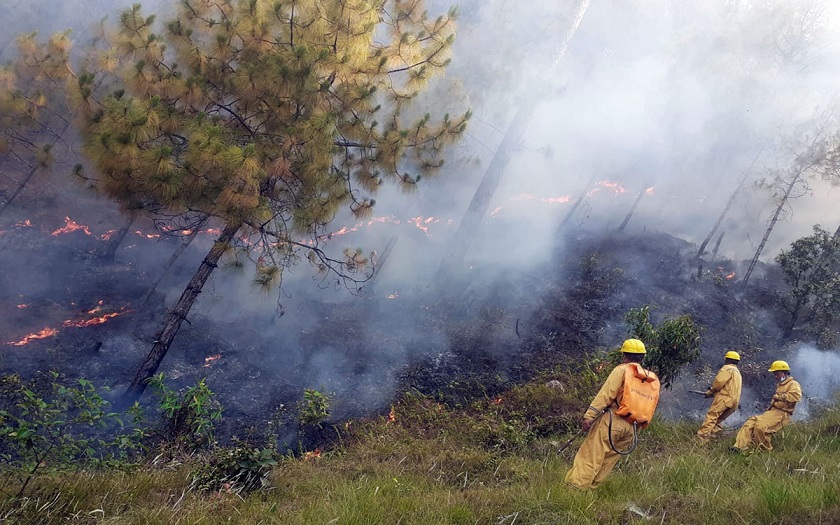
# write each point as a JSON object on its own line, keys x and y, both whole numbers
{"x": 488, "y": 464}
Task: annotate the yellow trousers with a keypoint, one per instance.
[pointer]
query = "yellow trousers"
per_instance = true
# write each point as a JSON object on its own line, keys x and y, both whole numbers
{"x": 717, "y": 413}
{"x": 758, "y": 430}
{"x": 595, "y": 459}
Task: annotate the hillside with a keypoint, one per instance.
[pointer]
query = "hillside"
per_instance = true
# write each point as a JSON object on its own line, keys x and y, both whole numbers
{"x": 493, "y": 462}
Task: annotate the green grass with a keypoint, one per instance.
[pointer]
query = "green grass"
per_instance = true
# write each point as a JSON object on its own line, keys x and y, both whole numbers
{"x": 487, "y": 464}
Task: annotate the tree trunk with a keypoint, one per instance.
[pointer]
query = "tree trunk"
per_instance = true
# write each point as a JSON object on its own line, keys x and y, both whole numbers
{"x": 484, "y": 193}
{"x": 633, "y": 208}
{"x": 773, "y": 221}
{"x": 110, "y": 251}
{"x": 577, "y": 203}
{"x": 717, "y": 244}
{"x": 177, "y": 315}
{"x": 481, "y": 199}
{"x": 174, "y": 257}
{"x": 380, "y": 264}
{"x": 728, "y": 206}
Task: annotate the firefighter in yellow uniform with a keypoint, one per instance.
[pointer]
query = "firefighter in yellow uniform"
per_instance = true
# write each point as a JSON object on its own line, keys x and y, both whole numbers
{"x": 726, "y": 390}
{"x": 758, "y": 430}
{"x": 596, "y": 458}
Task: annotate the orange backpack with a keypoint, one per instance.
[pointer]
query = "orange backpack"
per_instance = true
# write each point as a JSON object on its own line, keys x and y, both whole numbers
{"x": 641, "y": 394}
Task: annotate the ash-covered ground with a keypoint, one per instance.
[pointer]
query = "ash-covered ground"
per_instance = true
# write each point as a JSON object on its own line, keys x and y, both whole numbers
{"x": 66, "y": 308}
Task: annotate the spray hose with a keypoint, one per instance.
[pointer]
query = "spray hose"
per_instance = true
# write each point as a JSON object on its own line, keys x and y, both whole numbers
{"x": 635, "y": 437}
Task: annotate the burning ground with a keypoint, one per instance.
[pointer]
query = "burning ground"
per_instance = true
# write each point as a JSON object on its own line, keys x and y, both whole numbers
{"x": 66, "y": 308}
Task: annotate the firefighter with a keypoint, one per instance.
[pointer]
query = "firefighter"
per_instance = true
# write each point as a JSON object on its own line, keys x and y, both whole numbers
{"x": 596, "y": 457}
{"x": 758, "y": 430}
{"x": 726, "y": 391}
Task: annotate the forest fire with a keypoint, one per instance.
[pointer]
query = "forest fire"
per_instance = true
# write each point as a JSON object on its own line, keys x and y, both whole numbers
{"x": 70, "y": 226}
{"x": 608, "y": 185}
{"x": 43, "y": 334}
{"x": 208, "y": 361}
{"x": 498, "y": 400}
{"x": 312, "y": 454}
{"x": 70, "y": 323}
{"x": 392, "y": 416}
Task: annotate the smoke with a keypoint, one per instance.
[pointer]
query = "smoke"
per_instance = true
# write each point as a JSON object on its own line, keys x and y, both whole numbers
{"x": 818, "y": 371}
{"x": 675, "y": 101}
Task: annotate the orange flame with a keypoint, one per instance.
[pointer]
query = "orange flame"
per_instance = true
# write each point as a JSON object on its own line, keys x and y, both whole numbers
{"x": 43, "y": 334}
{"x": 392, "y": 416}
{"x": 21, "y": 224}
{"x": 23, "y": 306}
{"x": 209, "y": 360}
{"x": 497, "y": 401}
{"x": 148, "y": 235}
{"x": 649, "y": 191}
{"x": 49, "y": 332}
{"x": 314, "y": 454}
{"x": 95, "y": 320}
{"x": 496, "y": 211}
{"x": 70, "y": 226}
{"x": 730, "y": 276}
{"x": 393, "y": 295}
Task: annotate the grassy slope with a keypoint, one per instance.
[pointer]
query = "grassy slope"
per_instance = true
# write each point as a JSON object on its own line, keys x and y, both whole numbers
{"x": 492, "y": 463}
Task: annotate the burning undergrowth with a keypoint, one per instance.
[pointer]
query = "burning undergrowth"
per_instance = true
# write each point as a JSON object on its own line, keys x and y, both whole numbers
{"x": 68, "y": 309}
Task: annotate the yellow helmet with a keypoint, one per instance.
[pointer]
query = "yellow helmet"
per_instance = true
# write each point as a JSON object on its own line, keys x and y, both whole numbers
{"x": 732, "y": 354}
{"x": 779, "y": 366}
{"x": 633, "y": 346}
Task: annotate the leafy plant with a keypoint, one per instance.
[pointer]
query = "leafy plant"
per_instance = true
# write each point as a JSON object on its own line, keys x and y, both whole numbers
{"x": 671, "y": 346}
{"x": 235, "y": 469}
{"x": 811, "y": 271}
{"x": 189, "y": 416}
{"x": 314, "y": 408}
{"x": 50, "y": 423}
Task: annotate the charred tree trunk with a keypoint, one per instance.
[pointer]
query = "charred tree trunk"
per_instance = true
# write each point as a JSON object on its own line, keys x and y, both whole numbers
{"x": 720, "y": 218}
{"x": 481, "y": 198}
{"x": 174, "y": 257}
{"x": 577, "y": 203}
{"x": 632, "y": 209}
{"x": 726, "y": 208}
{"x": 773, "y": 220}
{"x": 380, "y": 263}
{"x": 110, "y": 251}
{"x": 717, "y": 244}
{"x": 177, "y": 315}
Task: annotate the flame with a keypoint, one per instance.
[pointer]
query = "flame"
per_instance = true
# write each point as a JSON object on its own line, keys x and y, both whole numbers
{"x": 392, "y": 416}
{"x": 43, "y": 334}
{"x": 730, "y": 276}
{"x": 394, "y": 295}
{"x": 494, "y": 212}
{"x": 497, "y": 401}
{"x": 22, "y": 224}
{"x": 209, "y": 360}
{"x": 148, "y": 235}
{"x": 70, "y": 323}
{"x": 556, "y": 200}
{"x": 23, "y": 306}
{"x": 315, "y": 454}
{"x": 609, "y": 185}
{"x": 70, "y": 226}
{"x": 95, "y": 320}
{"x": 649, "y": 191}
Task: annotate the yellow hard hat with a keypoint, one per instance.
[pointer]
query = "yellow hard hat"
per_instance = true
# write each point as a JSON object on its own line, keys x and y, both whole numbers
{"x": 633, "y": 346}
{"x": 732, "y": 354}
{"x": 779, "y": 366}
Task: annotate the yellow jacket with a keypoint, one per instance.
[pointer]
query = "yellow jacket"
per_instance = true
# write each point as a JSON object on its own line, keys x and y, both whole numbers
{"x": 727, "y": 386}
{"x": 610, "y": 395}
{"x": 788, "y": 393}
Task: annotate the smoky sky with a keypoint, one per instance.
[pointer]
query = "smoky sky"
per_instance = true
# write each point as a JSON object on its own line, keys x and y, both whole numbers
{"x": 678, "y": 100}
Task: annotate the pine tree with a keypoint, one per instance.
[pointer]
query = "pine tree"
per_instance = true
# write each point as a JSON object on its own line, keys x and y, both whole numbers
{"x": 269, "y": 117}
